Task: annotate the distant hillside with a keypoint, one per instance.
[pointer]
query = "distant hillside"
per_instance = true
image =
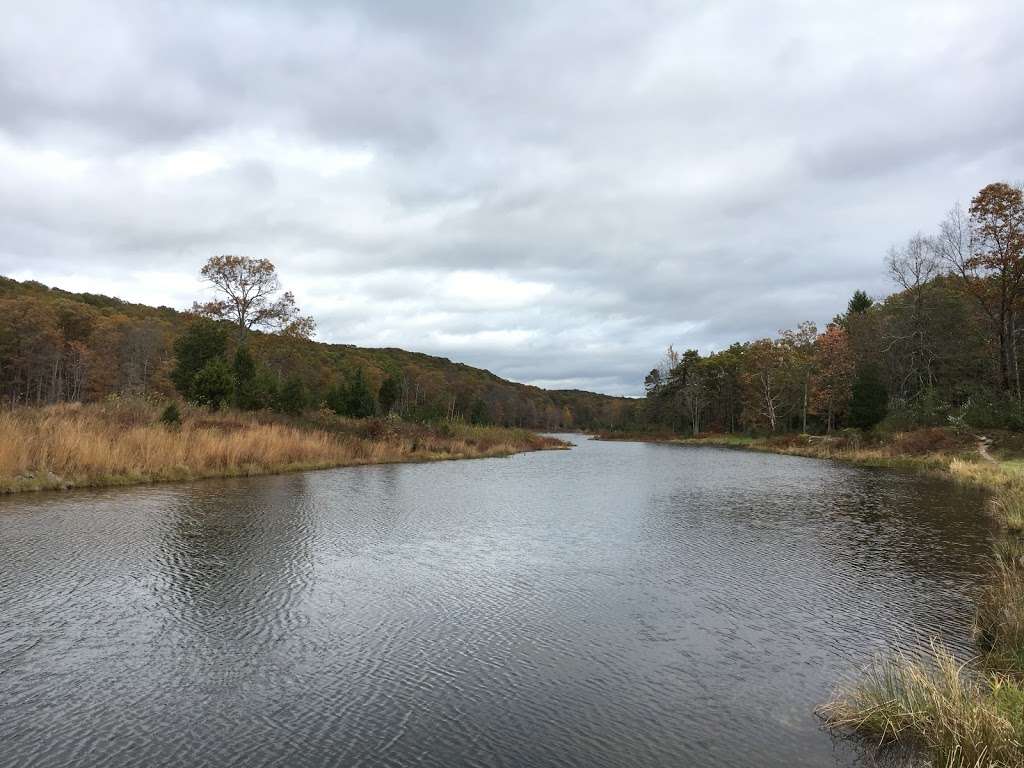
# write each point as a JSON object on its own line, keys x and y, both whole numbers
{"x": 61, "y": 346}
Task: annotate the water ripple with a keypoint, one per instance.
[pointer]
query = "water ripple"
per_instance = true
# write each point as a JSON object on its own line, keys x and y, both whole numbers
{"x": 616, "y": 605}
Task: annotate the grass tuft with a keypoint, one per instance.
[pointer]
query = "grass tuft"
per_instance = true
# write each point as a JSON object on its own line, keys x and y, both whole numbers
{"x": 962, "y": 719}
{"x": 1008, "y": 508}
{"x": 999, "y": 618}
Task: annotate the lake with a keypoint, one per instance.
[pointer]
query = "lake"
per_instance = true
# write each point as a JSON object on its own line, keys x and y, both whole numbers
{"x": 619, "y": 604}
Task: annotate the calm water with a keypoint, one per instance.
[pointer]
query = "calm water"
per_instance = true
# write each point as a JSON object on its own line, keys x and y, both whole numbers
{"x": 619, "y": 604}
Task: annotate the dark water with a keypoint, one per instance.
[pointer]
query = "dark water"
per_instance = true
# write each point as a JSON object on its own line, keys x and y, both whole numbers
{"x": 621, "y": 604}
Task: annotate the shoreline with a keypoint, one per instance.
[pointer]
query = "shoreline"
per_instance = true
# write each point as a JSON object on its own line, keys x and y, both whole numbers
{"x": 963, "y": 463}
{"x": 119, "y": 444}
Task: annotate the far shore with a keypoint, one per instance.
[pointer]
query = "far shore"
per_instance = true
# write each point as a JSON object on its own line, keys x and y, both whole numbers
{"x": 124, "y": 442}
{"x": 960, "y": 456}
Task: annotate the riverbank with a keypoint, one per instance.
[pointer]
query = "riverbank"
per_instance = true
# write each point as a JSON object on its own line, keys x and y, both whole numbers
{"x": 994, "y": 463}
{"x": 124, "y": 442}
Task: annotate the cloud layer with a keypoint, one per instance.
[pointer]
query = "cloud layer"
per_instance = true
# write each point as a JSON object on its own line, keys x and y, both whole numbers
{"x": 553, "y": 191}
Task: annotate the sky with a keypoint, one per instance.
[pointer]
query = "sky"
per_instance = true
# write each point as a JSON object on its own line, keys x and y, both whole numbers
{"x": 554, "y": 191}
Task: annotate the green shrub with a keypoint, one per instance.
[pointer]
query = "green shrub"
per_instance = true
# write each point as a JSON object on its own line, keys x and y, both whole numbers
{"x": 214, "y": 384}
{"x": 171, "y": 416}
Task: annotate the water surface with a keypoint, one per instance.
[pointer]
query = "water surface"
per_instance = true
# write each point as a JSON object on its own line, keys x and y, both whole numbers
{"x": 620, "y": 604}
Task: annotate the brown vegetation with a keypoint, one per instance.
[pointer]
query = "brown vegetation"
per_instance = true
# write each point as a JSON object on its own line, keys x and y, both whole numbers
{"x": 122, "y": 441}
{"x": 57, "y": 346}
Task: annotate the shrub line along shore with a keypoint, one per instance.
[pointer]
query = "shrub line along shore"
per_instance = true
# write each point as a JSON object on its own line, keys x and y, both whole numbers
{"x": 955, "y": 713}
{"x": 124, "y": 442}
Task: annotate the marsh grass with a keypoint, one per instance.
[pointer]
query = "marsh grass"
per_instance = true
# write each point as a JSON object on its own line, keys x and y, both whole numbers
{"x": 960, "y": 718}
{"x": 123, "y": 441}
{"x": 1008, "y": 507}
{"x": 999, "y": 618}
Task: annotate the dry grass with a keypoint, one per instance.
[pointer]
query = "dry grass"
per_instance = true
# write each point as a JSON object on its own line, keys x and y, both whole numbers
{"x": 122, "y": 442}
{"x": 932, "y": 451}
{"x": 959, "y": 718}
{"x": 1008, "y": 507}
{"x": 999, "y": 619}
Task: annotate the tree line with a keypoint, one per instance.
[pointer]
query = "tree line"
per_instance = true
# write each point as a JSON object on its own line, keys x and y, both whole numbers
{"x": 943, "y": 349}
{"x": 249, "y": 348}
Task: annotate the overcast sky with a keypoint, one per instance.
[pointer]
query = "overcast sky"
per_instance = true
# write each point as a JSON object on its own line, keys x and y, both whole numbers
{"x": 551, "y": 190}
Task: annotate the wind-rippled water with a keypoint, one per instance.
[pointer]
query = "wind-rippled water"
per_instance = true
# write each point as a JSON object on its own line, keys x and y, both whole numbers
{"x": 620, "y": 604}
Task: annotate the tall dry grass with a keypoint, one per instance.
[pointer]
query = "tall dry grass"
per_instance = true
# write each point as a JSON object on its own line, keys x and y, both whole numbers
{"x": 123, "y": 442}
{"x": 999, "y": 618}
{"x": 1008, "y": 507}
{"x": 959, "y": 718}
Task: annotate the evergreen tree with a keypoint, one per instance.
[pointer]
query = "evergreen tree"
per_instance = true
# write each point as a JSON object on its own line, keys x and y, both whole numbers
{"x": 337, "y": 399}
{"x": 869, "y": 401}
{"x": 478, "y": 412}
{"x": 389, "y": 393}
{"x": 247, "y": 396}
{"x": 293, "y": 397}
{"x": 171, "y": 417}
{"x": 859, "y": 303}
{"x": 359, "y": 400}
{"x": 214, "y": 384}
{"x": 202, "y": 342}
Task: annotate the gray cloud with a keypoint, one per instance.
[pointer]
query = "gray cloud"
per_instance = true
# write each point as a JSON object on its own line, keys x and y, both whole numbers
{"x": 553, "y": 191}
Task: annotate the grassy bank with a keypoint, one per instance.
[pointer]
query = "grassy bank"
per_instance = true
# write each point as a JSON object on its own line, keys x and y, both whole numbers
{"x": 946, "y": 452}
{"x": 122, "y": 442}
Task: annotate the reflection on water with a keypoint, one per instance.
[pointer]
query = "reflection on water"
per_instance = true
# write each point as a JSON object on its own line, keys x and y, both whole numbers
{"x": 616, "y": 605}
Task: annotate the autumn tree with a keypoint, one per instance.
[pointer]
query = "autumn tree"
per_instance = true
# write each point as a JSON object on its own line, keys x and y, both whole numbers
{"x": 249, "y": 295}
{"x": 833, "y": 377}
{"x": 986, "y": 250}
{"x": 765, "y": 377}
{"x": 799, "y": 345}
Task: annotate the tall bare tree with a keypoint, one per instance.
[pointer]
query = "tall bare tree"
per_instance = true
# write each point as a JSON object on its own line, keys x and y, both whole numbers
{"x": 914, "y": 267}
{"x": 250, "y": 297}
{"x": 799, "y": 344}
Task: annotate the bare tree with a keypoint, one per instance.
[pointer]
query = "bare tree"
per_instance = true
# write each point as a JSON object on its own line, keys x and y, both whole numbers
{"x": 913, "y": 267}
{"x": 799, "y": 344}
{"x": 248, "y": 290}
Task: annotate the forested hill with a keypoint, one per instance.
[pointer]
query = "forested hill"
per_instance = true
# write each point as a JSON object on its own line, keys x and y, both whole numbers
{"x": 60, "y": 346}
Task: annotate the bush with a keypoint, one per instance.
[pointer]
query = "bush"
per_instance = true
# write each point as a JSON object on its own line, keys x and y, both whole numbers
{"x": 990, "y": 411}
{"x": 171, "y": 416}
{"x": 293, "y": 398}
{"x": 373, "y": 429}
{"x": 922, "y": 441}
{"x": 214, "y": 384}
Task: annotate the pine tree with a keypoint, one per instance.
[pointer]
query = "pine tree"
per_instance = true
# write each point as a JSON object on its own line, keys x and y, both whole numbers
{"x": 389, "y": 393}
{"x": 214, "y": 384}
{"x": 202, "y": 342}
{"x": 247, "y": 395}
{"x": 293, "y": 397}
